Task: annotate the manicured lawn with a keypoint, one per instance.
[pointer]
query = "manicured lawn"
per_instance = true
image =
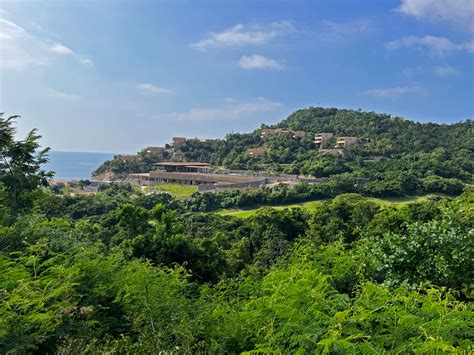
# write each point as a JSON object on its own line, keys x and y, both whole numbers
{"x": 174, "y": 189}
{"x": 311, "y": 205}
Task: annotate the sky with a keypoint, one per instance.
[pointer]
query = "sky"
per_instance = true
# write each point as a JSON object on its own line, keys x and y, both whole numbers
{"x": 116, "y": 76}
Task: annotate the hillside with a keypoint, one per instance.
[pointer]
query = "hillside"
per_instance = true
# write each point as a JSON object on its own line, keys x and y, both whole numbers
{"x": 395, "y": 156}
{"x": 378, "y": 135}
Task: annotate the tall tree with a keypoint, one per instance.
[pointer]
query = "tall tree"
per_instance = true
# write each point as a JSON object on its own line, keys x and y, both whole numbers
{"x": 20, "y": 164}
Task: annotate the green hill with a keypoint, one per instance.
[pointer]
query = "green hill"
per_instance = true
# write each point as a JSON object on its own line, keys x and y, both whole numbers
{"x": 393, "y": 156}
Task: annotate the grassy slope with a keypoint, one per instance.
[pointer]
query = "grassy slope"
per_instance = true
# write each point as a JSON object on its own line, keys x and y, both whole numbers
{"x": 174, "y": 189}
{"x": 312, "y": 204}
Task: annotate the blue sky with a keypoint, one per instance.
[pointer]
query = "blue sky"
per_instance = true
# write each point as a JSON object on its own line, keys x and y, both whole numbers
{"x": 115, "y": 76}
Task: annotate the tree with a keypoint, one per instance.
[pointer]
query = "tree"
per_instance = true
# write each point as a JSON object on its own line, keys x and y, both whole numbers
{"x": 20, "y": 165}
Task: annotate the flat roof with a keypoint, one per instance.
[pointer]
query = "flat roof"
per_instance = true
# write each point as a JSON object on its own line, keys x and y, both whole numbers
{"x": 189, "y": 164}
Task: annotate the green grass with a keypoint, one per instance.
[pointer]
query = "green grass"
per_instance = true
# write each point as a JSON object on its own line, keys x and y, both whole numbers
{"x": 311, "y": 205}
{"x": 174, "y": 189}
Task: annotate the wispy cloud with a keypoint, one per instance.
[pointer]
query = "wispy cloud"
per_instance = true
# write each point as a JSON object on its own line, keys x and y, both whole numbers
{"x": 446, "y": 71}
{"x": 459, "y": 13}
{"x": 86, "y": 62}
{"x": 257, "y": 61}
{"x": 20, "y": 49}
{"x": 60, "y": 49}
{"x": 231, "y": 110}
{"x": 343, "y": 29}
{"x": 153, "y": 89}
{"x": 244, "y": 35}
{"x": 395, "y": 92}
{"x": 62, "y": 95}
{"x": 442, "y": 71}
{"x": 438, "y": 46}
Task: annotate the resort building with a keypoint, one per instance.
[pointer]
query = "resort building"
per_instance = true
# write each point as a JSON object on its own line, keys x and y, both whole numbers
{"x": 177, "y": 141}
{"x": 157, "y": 152}
{"x": 345, "y": 142}
{"x": 192, "y": 173}
{"x": 271, "y": 132}
{"x": 322, "y": 138}
{"x": 185, "y": 167}
{"x": 256, "y": 152}
{"x": 298, "y": 134}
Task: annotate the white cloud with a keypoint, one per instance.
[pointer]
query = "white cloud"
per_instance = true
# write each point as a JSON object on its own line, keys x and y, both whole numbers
{"x": 244, "y": 35}
{"x": 20, "y": 49}
{"x": 152, "y": 89}
{"x": 10, "y": 30}
{"x": 257, "y": 61}
{"x": 457, "y": 12}
{"x": 445, "y": 71}
{"x": 60, "y": 49}
{"x": 436, "y": 45}
{"x": 63, "y": 95}
{"x": 86, "y": 62}
{"x": 395, "y": 92}
{"x": 442, "y": 71}
{"x": 468, "y": 46}
{"x": 231, "y": 110}
{"x": 346, "y": 28}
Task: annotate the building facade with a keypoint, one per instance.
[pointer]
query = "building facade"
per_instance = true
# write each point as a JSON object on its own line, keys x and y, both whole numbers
{"x": 323, "y": 138}
{"x": 256, "y": 152}
{"x": 345, "y": 142}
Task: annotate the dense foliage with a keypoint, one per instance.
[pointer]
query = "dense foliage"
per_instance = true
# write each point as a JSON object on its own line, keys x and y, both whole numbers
{"x": 121, "y": 272}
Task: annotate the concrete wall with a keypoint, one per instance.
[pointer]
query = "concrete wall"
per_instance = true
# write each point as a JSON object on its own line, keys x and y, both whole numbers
{"x": 241, "y": 185}
{"x": 345, "y": 142}
{"x": 197, "y": 178}
{"x": 323, "y": 138}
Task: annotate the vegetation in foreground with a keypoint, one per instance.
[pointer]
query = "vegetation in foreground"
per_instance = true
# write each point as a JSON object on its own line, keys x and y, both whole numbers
{"x": 123, "y": 272}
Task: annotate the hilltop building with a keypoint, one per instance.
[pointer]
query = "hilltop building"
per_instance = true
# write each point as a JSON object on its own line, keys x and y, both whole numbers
{"x": 322, "y": 138}
{"x": 256, "y": 152}
{"x": 178, "y": 141}
{"x": 298, "y": 134}
{"x": 345, "y": 142}
{"x": 157, "y": 152}
{"x": 271, "y": 132}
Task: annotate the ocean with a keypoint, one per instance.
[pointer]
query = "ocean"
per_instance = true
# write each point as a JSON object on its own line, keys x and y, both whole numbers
{"x": 75, "y": 165}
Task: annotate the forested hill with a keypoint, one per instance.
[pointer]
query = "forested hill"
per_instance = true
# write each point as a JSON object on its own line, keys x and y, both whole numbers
{"x": 378, "y": 135}
{"x": 382, "y": 132}
{"x": 397, "y": 156}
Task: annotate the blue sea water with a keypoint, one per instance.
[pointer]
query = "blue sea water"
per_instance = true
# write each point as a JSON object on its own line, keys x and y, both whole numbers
{"x": 75, "y": 165}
